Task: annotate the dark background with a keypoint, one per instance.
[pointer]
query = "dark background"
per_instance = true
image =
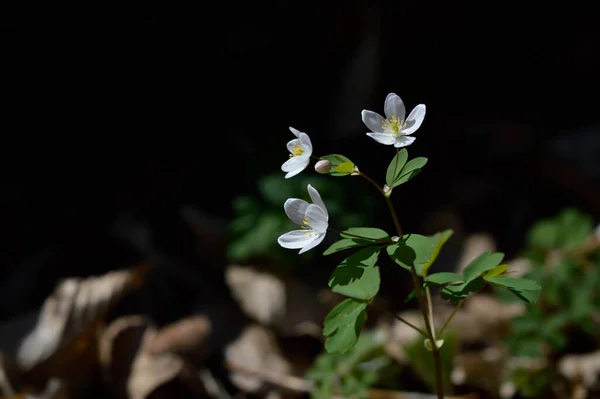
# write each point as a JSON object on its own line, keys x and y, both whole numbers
{"x": 118, "y": 113}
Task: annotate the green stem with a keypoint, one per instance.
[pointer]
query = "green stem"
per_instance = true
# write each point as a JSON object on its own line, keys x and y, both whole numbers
{"x": 394, "y": 315}
{"x": 419, "y": 292}
{"x": 458, "y": 305}
{"x": 439, "y": 383}
{"x": 387, "y": 200}
{"x": 372, "y": 182}
{"x": 430, "y": 311}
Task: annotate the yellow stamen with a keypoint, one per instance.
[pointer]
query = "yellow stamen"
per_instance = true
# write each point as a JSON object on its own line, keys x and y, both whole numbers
{"x": 297, "y": 150}
{"x": 393, "y": 125}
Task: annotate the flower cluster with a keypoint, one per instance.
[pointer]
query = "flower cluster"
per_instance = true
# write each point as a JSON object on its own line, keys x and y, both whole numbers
{"x": 313, "y": 218}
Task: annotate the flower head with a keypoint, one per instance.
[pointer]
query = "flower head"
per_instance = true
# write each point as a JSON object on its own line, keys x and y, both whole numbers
{"x": 394, "y": 129}
{"x": 300, "y": 151}
{"x": 312, "y": 219}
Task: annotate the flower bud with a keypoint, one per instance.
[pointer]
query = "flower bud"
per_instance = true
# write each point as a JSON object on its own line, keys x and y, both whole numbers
{"x": 323, "y": 166}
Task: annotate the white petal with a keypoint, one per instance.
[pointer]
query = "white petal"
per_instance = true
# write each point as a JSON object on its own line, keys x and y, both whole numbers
{"x": 317, "y": 240}
{"x": 306, "y": 144}
{"x": 316, "y": 198}
{"x": 296, "y": 239}
{"x": 295, "y": 131}
{"x": 383, "y": 138}
{"x": 316, "y": 216}
{"x": 372, "y": 120}
{"x": 295, "y": 208}
{"x": 415, "y": 119}
{"x": 403, "y": 141}
{"x": 292, "y": 144}
{"x": 394, "y": 106}
{"x": 295, "y": 165}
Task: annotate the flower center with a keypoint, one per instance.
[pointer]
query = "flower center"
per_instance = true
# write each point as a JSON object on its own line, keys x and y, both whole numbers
{"x": 393, "y": 125}
{"x": 305, "y": 226}
{"x": 305, "y": 223}
{"x": 297, "y": 150}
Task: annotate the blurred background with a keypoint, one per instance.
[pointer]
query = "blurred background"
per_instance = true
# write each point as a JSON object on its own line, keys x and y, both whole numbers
{"x": 144, "y": 131}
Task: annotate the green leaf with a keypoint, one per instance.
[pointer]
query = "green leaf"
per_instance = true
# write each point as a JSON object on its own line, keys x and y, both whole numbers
{"x": 496, "y": 271}
{"x": 412, "y": 295}
{"x": 524, "y": 289}
{"x": 519, "y": 284}
{"x": 371, "y": 233}
{"x": 365, "y": 288}
{"x": 544, "y": 234}
{"x": 353, "y": 267}
{"x": 482, "y": 263}
{"x": 439, "y": 239}
{"x": 575, "y": 227}
{"x": 455, "y": 293}
{"x": 395, "y": 167}
{"x": 402, "y": 254}
{"x": 419, "y": 250}
{"x": 345, "y": 243}
{"x": 343, "y": 324}
{"x": 338, "y": 160}
{"x": 410, "y": 170}
{"x": 275, "y": 189}
{"x": 345, "y": 167}
{"x": 526, "y": 296}
{"x": 443, "y": 278}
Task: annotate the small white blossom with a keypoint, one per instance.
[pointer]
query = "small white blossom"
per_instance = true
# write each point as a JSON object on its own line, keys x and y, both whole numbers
{"x": 394, "y": 129}
{"x": 300, "y": 151}
{"x": 312, "y": 219}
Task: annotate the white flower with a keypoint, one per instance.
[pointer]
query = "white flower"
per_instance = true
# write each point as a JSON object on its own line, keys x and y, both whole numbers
{"x": 301, "y": 150}
{"x": 394, "y": 129}
{"x": 312, "y": 218}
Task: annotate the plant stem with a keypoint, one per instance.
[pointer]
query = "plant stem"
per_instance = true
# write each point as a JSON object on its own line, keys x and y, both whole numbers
{"x": 419, "y": 292}
{"x": 430, "y": 311}
{"x": 439, "y": 386}
{"x": 372, "y": 182}
{"x": 394, "y": 315}
{"x": 394, "y": 216}
{"x": 458, "y": 305}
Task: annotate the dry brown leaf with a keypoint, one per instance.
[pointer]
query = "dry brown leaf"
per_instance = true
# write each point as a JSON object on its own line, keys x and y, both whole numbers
{"x": 287, "y": 305}
{"x": 481, "y": 318}
{"x": 73, "y": 307}
{"x": 64, "y": 342}
{"x": 260, "y": 295}
{"x": 118, "y": 344}
{"x": 151, "y": 371}
{"x": 483, "y": 369}
{"x": 585, "y": 367}
{"x": 255, "y": 348}
{"x": 387, "y": 394}
{"x": 187, "y": 337}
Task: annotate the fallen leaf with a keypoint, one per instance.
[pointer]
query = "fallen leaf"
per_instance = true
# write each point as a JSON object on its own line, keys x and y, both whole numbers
{"x": 64, "y": 342}
{"x": 287, "y": 305}
{"x": 118, "y": 344}
{"x": 255, "y": 348}
{"x": 151, "y": 371}
{"x": 581, "y": 366}
{"x": 75, "y": 305}
{"x": 187, "y": 337}
{"x": 260, "y": 295}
